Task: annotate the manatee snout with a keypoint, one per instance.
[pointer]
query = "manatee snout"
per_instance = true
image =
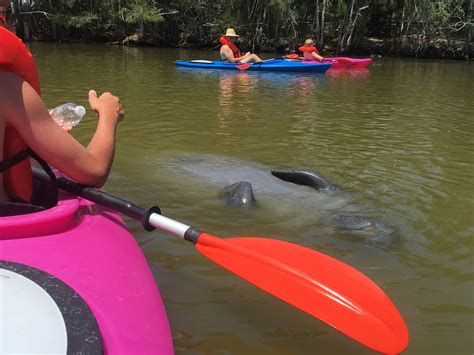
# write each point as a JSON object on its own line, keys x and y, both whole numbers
{"x": 239, "y": 194}
{"x": 363, "y": 226}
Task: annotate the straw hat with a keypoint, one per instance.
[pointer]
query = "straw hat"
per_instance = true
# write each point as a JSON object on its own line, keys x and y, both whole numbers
{"x": 230, "y": 32}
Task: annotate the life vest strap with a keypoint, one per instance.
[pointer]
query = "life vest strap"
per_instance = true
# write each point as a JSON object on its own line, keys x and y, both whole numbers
{"x": 46, "y": 198}
{"x": 49, "y": 195}
{"x": 14, "y": 159}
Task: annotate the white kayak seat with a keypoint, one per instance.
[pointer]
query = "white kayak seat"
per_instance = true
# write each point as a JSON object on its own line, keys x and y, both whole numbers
{"x": 202, "y": 61}
{"x": 32, "y": 321}
{"x": 40, "y": 314}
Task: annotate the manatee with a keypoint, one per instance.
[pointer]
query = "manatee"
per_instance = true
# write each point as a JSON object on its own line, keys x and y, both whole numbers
{"x": 299, "y": 192}
{"x": 224, "y": 171}
{"x": 238, "y": 194}
{"x": 305, "y": 177}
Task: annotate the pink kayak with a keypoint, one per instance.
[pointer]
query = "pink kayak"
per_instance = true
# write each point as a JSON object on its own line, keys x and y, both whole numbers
{"x": 348, "y": 63}
{"x": 90, "y": 250}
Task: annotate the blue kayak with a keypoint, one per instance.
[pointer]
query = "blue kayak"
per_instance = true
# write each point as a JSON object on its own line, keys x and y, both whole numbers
{"x": 273, "y": 65}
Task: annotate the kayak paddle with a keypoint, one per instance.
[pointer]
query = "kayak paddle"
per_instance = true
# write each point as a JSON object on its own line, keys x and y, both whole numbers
{"x": 245, "y": 66}
{"x": 292, "y": 56}
{"x": 315, "y": 283}
{"x": 345, "y": 62}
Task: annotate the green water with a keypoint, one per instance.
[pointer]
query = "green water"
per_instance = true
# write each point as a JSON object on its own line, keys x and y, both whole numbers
{"x": 397, "y": 139}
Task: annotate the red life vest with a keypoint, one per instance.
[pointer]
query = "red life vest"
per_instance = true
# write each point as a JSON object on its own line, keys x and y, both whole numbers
{"x": 232, "y": 46}
{"x": 15, "y": 57}
{"x": 308, "y": 49}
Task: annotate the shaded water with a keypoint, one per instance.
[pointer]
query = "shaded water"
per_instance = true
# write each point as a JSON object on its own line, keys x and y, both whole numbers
{"x": 397, "y": 139}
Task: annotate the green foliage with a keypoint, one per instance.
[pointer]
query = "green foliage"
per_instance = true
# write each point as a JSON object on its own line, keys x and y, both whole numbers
{"x": 140, "y": 11}
{"x": 78, "y": 21}
{"x": 341, "y": 24}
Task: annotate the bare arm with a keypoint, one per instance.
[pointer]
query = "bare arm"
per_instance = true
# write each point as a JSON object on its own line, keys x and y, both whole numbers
{"x": 316, "y": 56}
{"x": 23, "y": 109}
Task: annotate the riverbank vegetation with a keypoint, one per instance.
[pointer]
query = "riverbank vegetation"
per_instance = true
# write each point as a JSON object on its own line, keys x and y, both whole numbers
{"x": 421, "y": 28}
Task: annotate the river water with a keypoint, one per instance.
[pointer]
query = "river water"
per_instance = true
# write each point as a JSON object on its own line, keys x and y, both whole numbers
{"x": 397, "y": 139}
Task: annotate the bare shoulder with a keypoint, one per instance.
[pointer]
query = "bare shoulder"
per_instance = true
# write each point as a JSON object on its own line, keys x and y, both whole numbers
{"x": 19, "y": 101}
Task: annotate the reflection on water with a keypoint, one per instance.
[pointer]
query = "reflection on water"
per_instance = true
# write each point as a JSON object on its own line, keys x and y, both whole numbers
{"x": 349, "y": 73}
{"x": 231, "y": 87}
{"x": 396, "y": 138}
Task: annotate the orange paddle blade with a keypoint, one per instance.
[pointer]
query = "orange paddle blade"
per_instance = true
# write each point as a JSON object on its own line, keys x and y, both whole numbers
{"x": 292, "y": 56}
{"x": 318, "y": 284}
{"x": 243, "y": 66}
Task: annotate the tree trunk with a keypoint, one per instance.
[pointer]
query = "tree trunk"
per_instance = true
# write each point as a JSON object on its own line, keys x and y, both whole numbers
{"x": 470, "y": 32}
{"x": 321, "y": 30}
{"x": 54, "y": 31}
{"x": 26, "y": 31}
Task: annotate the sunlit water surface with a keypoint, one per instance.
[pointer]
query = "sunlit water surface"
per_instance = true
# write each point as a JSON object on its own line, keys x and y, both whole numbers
{"x": 397, "y": 139}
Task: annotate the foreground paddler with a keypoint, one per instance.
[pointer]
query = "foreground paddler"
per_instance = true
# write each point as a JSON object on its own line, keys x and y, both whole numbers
{"x": 25, "y": 122}
{"x": 72, "y": 278}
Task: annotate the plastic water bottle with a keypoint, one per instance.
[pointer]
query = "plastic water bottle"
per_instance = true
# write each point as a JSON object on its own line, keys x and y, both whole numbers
{"x": 68, "y": 115}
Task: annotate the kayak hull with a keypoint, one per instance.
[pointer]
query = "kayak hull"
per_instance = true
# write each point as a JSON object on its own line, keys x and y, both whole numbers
{"x": 90, "y": 249}
{"x": 276, "y": 65}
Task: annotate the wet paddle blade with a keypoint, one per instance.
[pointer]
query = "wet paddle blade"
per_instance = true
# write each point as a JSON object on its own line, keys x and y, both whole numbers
{"x": 243, "y": 66}
{"x": 318, "y": 284}
{"x": 344, "y": 62}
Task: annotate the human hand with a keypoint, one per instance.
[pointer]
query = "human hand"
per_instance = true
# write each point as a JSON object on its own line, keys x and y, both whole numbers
{"x": 106, "y": 106}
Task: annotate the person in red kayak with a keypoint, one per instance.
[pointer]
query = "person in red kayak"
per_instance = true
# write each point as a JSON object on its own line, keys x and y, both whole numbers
{"x": 231, "y": 54}
{"x": 310, "y": 52}
{"x": 26, "y": 123}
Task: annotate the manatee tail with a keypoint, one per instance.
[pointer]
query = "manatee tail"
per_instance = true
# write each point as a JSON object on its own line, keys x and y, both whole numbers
{"x": 305, "y": 177}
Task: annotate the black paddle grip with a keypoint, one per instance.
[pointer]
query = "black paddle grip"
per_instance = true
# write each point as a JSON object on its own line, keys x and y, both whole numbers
{"x": 192, "y": 234}
{"x": 118, "y": 204}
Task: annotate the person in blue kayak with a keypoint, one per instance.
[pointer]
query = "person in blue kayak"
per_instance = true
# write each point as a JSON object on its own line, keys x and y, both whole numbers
{"x": 310, "y": 52}
{"x": 231, "y": 54}
{"x": 25, "y": 123}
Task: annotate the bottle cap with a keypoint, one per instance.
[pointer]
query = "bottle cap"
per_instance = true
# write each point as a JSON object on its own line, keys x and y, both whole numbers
{"x": 80, "y": 111}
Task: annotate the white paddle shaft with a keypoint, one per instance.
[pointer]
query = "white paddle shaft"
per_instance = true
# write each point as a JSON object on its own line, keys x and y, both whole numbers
{"x": 168, "y": 225}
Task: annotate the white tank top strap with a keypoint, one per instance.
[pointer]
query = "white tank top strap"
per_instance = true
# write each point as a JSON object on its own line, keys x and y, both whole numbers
{"x": 223, "y": 57}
